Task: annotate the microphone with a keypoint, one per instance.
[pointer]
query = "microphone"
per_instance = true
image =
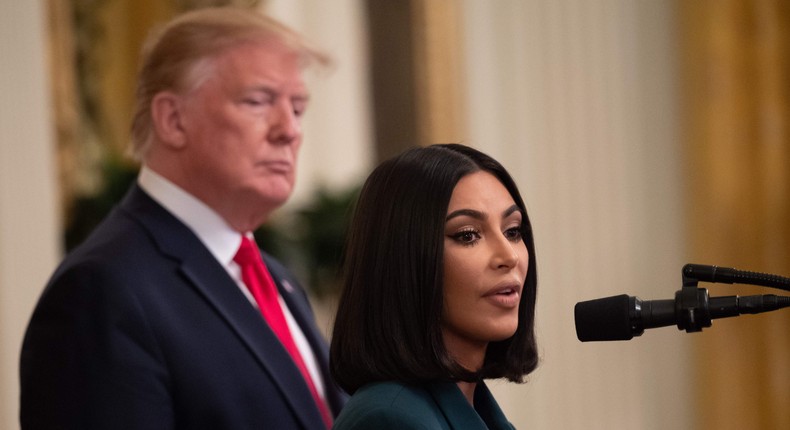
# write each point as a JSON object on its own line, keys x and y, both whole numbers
{"x": 623, "y": 317}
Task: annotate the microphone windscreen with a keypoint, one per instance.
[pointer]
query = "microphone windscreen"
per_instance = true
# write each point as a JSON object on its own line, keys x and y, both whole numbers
{"x": 603, "y": 319}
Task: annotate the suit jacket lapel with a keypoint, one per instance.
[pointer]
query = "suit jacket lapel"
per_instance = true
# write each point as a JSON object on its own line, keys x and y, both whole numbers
{"x": 296, "y": 300}
{"x": 489, "y": 409}
{"x": 212, "y": 281}
{"x": 458, "y": 412}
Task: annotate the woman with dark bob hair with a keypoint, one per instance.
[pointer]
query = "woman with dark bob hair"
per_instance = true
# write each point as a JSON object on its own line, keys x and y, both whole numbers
{"x": 439, "y": 288}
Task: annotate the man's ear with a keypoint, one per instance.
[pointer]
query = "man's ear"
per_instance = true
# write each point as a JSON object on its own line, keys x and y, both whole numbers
{"x": 167, "y": 116}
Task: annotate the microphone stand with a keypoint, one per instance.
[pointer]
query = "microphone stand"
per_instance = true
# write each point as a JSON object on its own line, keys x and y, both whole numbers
{"x": 693, "y": 306}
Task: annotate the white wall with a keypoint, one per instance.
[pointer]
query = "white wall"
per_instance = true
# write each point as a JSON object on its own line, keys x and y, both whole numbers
{"x": 29, "y": 227}
{"x": 577, "y": 97}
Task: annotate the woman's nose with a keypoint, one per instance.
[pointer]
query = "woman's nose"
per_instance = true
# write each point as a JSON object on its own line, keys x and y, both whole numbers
{"x": 504, "y": 254}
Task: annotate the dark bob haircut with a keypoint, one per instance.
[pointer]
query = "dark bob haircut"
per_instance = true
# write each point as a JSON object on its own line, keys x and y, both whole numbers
{"x": 388, "y": 324}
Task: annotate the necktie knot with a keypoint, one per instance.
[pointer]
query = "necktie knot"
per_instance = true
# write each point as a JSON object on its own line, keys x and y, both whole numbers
{"x": 247, "y": 254}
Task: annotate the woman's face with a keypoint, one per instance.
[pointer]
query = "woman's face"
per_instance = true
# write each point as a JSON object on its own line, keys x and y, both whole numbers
{"x": 485, "y": 264}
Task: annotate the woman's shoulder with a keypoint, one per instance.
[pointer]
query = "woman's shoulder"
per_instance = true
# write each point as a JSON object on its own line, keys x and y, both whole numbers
{"x": 391, "y": 405}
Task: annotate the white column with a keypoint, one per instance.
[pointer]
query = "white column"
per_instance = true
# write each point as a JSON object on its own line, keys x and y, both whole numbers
{"x": 29, "y": 227}
{"x": 577, "y": 98}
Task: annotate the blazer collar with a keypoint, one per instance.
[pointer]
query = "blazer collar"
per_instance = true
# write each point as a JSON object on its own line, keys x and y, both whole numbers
{"x": 210, "y": 280}
{"x": 486, "y": 413}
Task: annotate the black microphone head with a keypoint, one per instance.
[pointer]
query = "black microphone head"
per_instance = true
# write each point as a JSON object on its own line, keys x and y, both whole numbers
{"x": 603, "y": 319}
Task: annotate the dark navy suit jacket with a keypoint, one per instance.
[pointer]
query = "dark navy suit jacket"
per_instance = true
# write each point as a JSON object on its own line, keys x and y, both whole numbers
{"x": 141, "y": 328}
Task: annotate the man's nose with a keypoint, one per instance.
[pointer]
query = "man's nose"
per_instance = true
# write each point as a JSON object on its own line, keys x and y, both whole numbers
{"x": 285, "y": 126}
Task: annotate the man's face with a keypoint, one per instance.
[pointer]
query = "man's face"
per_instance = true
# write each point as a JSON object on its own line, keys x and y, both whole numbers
{"x": 243, "y": 131}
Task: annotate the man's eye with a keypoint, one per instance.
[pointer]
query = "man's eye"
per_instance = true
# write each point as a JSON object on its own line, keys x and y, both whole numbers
{"x": 257, "y": 101}
{"x": 299, "y": 107}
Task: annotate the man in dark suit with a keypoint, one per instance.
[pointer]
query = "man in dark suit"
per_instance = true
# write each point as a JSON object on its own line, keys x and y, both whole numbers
{"x": 149, "y": 324}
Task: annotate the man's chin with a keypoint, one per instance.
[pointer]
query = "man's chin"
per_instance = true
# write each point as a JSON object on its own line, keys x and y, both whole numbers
{"x": 273, "y": 197}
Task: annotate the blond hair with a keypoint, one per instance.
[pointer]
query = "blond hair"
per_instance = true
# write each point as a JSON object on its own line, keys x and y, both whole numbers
{"x": 179, "y": 56}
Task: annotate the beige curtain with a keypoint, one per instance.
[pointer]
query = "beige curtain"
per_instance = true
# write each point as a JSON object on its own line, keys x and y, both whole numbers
{"x": 416, "y": 73}
{"x": 438, "y": 71}
{"x": 736, "y": 88}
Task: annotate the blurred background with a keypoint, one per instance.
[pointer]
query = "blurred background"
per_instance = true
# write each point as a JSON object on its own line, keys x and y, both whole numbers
{"x": 644, "y": 134}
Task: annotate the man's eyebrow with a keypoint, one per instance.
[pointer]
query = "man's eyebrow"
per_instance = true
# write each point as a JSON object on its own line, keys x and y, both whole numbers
{"x": 274, "y": 92}
{"x": 301, "y": 96}
{"x": 263, "y": 87}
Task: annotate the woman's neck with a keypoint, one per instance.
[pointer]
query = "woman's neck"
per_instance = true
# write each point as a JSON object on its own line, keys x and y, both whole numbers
{"x": 468, "y": 390}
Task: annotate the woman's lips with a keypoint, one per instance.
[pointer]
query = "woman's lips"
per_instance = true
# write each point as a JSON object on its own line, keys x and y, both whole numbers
{"x": 506, "y": 296}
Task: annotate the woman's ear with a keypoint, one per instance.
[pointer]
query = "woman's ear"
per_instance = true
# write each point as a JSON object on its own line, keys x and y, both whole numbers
{"x": 167, "y": 117}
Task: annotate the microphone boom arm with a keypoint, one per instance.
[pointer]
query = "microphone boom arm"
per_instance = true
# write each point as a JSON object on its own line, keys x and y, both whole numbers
{"x": 693, "y": 273}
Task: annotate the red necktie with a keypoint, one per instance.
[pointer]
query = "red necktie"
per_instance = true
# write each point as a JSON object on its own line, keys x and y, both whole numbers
{"x": 260, "y": 283}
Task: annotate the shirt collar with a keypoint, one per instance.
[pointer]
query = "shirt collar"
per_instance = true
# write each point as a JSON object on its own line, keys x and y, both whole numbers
{"x": 220, "y": 239}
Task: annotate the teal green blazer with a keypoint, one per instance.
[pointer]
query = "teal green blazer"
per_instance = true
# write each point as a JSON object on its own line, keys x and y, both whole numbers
{"x": 441, "y": 405}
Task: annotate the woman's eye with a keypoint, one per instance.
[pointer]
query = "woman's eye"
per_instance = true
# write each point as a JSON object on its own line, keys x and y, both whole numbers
{"x": 513, "y": 234}
{"x": 467, "y": 237}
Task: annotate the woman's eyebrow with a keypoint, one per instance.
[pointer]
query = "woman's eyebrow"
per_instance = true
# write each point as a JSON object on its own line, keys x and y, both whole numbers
{"x": 510, "y": 210}
{"x": 480, "y": 215}
{"x": 466, "y": 212}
